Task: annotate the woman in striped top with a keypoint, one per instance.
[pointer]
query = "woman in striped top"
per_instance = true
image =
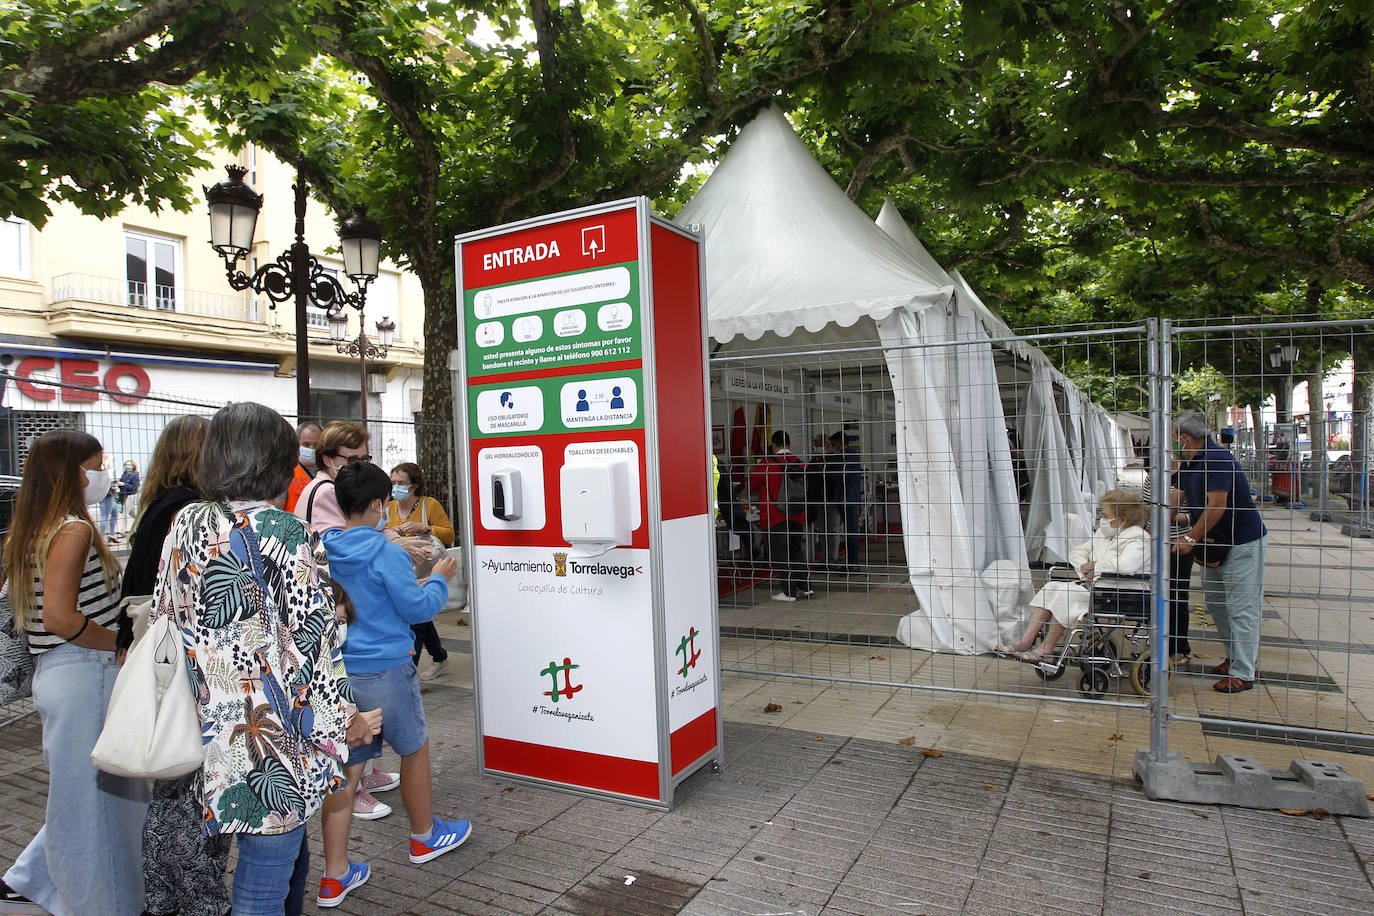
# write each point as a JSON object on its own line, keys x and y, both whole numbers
{"x": 64, "y": 584}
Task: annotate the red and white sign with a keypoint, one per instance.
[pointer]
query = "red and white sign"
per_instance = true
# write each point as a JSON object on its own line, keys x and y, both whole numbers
{"x": 583, "y": 342}
{"x": 80, "y": 381}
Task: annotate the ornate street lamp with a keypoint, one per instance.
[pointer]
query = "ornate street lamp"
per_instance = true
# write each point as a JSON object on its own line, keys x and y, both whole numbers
{"x": 1282, "y": 359}
{"x": 361, "y": 346}
{"x": 295, "y": 274}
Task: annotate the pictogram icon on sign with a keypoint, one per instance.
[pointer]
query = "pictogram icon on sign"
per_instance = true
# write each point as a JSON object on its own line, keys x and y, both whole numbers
{"x": 594, "y": 241}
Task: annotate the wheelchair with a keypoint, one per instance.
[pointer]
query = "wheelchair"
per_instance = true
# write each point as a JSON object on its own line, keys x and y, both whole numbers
{"x": 1112, "y": 641}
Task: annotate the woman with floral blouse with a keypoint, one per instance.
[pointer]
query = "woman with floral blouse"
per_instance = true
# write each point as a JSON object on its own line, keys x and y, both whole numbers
{"x": 258, "y": 624}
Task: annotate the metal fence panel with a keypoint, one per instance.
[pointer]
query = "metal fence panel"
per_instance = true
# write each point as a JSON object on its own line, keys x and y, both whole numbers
{"x": 979, "y": 464}
{"x": 909, "y": 549}
{"x": 1295, "y": 400}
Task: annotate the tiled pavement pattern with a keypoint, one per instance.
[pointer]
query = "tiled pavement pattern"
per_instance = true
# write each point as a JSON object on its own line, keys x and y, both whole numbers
{"x": 801, "y": 822}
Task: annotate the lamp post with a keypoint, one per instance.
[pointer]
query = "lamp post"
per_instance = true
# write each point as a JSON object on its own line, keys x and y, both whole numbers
{"x": 296, "y": 273}
{"x": 1281, "y": 359}
{"x": 361, "y": 346}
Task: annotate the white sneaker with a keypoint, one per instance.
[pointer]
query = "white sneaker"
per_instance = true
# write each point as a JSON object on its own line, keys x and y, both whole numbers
{"x": 435, "y": 670}
{"x": 783, "y": 596}
{"x": 367, "y": 808}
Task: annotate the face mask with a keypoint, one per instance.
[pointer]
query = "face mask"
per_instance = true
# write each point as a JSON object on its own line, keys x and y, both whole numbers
{"x": 1178, "y": 449}
{"x": 97, "y": 485}
{"x": 381, "y": 521}
{"x": 128, "y": 467}
{"x": 399, "y": 492}
{"x": 307, "y": 455}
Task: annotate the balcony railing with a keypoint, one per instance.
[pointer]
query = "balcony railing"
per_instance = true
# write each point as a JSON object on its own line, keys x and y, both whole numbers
{"x": 178, "y": 299}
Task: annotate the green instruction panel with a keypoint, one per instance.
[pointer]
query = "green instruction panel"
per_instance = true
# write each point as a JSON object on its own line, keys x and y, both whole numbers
{"x": 571, "y": 319}
{"x": 593, "y": 402}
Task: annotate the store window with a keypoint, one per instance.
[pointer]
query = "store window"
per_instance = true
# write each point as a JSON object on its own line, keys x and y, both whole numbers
{"x": 152, "y": 265}
{"x": 14, "y": 248}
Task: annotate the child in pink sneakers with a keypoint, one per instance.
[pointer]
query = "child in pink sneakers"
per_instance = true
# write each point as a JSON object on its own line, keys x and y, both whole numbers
{"x": 379, "y": 579}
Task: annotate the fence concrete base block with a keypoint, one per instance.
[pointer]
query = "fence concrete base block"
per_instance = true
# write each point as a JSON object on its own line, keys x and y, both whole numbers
{"x": 1324, "y": 515}
{"x": 1241, "y": 781}
{"x": 1356, "y": 530}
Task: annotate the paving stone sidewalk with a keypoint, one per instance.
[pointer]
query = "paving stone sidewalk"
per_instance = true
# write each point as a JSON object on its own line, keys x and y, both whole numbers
{"x": 804, "y": 823}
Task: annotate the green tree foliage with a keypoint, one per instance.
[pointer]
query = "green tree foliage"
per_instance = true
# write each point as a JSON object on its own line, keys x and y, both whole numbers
{"x": 1078, "y": 160}
{"x": 469, "y": 115}
{"x": 90, "y": 106}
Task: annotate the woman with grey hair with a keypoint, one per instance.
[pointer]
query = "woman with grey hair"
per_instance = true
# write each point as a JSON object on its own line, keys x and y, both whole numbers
{"x": 1227, "y": 536}
{"x": 240, "y": 577}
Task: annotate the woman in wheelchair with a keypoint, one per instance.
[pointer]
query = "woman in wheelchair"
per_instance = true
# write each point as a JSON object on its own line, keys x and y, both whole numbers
{"x": 1119, "y": 546}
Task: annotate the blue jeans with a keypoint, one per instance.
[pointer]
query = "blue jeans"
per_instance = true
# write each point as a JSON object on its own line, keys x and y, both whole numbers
{"x": 1234, "y": 595}
{"x": 108, "y": 515}
{"x": 270, "y": 877}
{"x": 87, "y": 857}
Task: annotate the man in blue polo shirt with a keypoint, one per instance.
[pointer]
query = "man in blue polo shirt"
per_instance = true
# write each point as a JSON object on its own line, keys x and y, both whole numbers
{"x": 1218, "y": 499}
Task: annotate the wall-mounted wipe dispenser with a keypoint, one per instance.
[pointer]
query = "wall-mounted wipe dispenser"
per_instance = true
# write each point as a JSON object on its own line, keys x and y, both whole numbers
{"x": 596, "y": 506}
{"x": 505, "y": 494}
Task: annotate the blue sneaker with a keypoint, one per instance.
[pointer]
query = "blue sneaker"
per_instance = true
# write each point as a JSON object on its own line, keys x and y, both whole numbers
{"x": 334, "y": 890}
{"x": 447, "y": 836}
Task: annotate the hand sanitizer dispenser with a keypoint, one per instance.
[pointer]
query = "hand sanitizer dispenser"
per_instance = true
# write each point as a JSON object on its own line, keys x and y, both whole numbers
{"x": 505, "y": 494}
{"x": 596, "y": 506}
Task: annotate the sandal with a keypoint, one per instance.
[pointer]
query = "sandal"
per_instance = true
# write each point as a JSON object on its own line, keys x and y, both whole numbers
{"x": 1006, "y": 651}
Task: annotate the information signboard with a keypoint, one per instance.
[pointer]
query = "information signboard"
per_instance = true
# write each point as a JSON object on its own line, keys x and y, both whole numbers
{"x": 580, "y": 390}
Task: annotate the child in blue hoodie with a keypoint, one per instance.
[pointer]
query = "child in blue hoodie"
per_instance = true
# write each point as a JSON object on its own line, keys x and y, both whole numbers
{"x": 380, "y": 580}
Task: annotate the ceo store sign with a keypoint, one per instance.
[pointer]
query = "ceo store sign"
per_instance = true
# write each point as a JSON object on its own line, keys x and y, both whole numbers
{"x": 79, "y": 381}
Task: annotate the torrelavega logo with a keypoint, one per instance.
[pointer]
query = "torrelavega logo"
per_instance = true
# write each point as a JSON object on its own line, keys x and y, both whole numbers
{"x": 563, "y": 566}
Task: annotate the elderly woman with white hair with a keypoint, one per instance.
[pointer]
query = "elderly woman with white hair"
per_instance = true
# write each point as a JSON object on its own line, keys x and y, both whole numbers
{"x": 1119, "y": 546}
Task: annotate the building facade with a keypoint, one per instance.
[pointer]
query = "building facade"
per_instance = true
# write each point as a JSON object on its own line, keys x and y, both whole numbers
{"x": 117, "y": 325}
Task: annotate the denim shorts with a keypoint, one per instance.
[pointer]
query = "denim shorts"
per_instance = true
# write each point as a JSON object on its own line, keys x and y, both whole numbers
{"x": 397, "y": 692}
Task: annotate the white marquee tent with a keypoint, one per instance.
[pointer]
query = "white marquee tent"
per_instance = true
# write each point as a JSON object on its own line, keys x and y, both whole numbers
{"x": 793, "y": 266}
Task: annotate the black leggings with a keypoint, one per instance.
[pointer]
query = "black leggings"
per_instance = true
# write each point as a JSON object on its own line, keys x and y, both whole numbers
{"x": 1180, "y": 581}
{"x": 428, "y": 637}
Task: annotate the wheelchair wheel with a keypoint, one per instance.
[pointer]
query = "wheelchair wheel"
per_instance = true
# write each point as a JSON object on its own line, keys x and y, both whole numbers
{"x": 1093, "y": 682}
{"x": 1141, "y": 672}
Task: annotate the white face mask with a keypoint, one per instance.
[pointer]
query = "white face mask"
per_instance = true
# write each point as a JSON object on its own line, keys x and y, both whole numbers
{"x": 381, "y": 521}
{"x": 97, "y": 485}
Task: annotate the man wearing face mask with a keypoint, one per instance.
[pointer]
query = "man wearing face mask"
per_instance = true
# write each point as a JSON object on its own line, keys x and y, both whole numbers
{"x": 1228, "y": 530}
{"x": 308, "y": 435}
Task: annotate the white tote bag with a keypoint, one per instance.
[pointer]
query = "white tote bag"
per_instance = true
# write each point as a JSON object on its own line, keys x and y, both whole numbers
{"x": 152, "y": 728}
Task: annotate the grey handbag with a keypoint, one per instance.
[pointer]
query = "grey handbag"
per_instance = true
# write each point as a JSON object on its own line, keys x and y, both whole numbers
{"x": 16, "y": 663}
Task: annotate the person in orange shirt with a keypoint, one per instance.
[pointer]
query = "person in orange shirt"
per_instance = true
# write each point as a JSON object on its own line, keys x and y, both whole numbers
{"x": 308, "y": 436}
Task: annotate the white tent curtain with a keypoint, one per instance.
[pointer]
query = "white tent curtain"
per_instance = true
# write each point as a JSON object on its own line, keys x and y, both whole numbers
{"x": 954, "y": 614}
{"x": 1059, "y": 516}
{"x": 995, "y": 547}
